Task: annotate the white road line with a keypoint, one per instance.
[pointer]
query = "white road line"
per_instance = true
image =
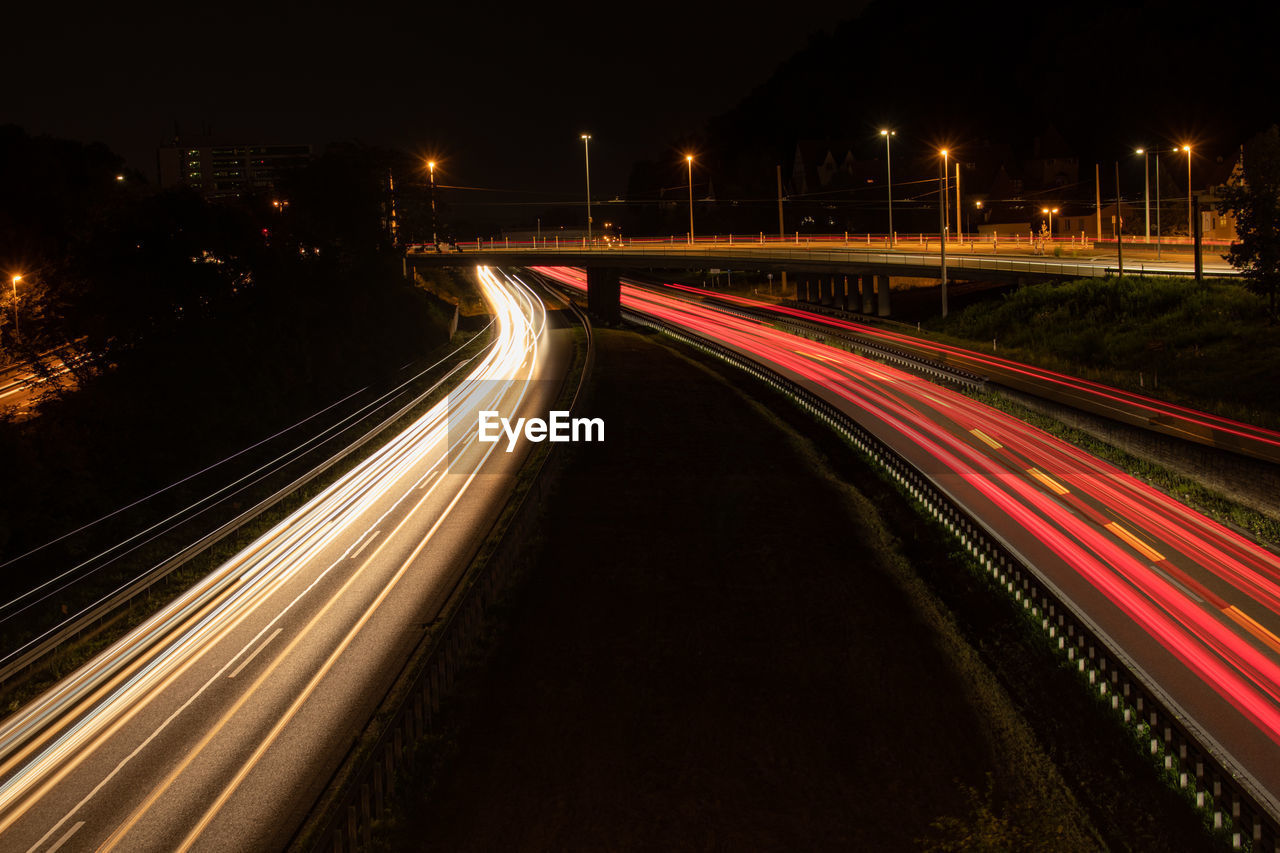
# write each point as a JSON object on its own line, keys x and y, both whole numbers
{"x": 245, "y": 662}
{"x": 365, "y": 544}
{"x": 61, "y": 841}
{"x": 427, "y": 478}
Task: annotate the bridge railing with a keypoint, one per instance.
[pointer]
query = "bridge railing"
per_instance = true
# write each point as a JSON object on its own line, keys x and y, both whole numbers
{"x": 901, "y": 241}
{"x": 917, "y": 260}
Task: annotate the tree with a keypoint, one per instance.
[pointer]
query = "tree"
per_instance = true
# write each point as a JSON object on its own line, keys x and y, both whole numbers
{"x": 1253, "y": 196}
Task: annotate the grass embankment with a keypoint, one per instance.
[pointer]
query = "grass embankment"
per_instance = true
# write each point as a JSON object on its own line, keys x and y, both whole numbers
{"x": 1210, "y": 346}
{"x": 722, "y": 644}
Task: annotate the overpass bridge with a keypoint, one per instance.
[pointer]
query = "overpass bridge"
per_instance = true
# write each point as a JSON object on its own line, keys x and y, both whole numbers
{"x": 827, "y": 270}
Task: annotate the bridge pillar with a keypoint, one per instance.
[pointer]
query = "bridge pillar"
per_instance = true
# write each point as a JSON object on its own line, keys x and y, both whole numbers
{"x": 867, "y": 282}
{"x": 604, "y": 294}
{"x": 828, "y": 289}
{"x": 882, "y": 289}
{"x": 844, "y": 293}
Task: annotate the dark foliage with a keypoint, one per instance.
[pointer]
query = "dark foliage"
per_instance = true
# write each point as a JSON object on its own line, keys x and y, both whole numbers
{"x": 1254, "y": 198}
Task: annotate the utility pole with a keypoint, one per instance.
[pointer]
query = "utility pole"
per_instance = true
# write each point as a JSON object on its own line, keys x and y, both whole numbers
{"x": 586, "y": 156}
{"x": 782, "y": 232}
{"x": 1198, "y": 231}
{"x": 1097, "y": 189}
{"x": 1119, "y": 224}
{"x": 959, "y": 228}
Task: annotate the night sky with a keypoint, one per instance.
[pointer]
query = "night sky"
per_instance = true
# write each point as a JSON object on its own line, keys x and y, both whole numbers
{"x": 498, "y": 93}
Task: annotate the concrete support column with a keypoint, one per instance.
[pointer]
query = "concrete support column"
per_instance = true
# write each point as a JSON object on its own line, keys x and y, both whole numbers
{"x": 604, "y": 294}
{"x": 867, "y": 283}
{"x": 882, "y": 290}
{"x": 844, "y": 293}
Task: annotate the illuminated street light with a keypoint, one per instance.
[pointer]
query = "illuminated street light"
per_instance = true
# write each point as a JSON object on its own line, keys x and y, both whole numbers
{"x": 431, "y": 170}
{"x": 1146, "y": 176}
{"x": 1051, "y": 211}
{"x": 586, "y": 140}
{"x": 946, "y": 188}
{"x": 688, "y": 158}
{"x": 942, "y": 231}
{"x": 1187, "y": 148}
{"x": 119, "y": 179}
{"x": 17, "y": 331}
{"x": 888, "y": 165}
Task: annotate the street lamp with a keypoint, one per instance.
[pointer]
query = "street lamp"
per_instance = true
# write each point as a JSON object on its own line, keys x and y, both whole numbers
{"x": 946, "y": 188}
{"x": 1190, "y": 230}
{"x": 586, "y": 155}
{"x": 1146, "y": 177}
{"x": 942, "y": 232}
{"x": 431, "y": 170}
{"x": 17, "y": 331}
{"x": 888, "y": 165}
{"x": 688, "y": 158}
{"x": 1051, "y": 211}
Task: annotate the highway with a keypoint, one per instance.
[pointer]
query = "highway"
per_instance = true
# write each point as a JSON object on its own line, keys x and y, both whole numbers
{"x": 216, "y": 723}
{"x": 1106, "y": 400}
{"x": 1193, "y": 605}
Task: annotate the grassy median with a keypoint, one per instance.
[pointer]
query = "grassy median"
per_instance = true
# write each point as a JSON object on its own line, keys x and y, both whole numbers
{"x": 736, "y": 636}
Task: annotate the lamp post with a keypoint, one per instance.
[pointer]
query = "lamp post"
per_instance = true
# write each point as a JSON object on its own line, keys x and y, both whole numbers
{"x": 431, "y": 169}
{"x": 1187, "y": 148}
{"x": 1051, "y": 211}
{"x": 1146, "y": 177}
{"x": 888, "y": 165}
{"x": 942, "y": 233}
{"x": 17, "y": 330}
{"x": 586, "y": 158}
{"x": 688, "y": 159}
{"x": 946, "y": 188}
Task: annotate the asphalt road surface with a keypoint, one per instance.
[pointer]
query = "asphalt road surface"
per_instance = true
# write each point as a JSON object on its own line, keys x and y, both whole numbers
{"x": 1192, "y": 604}
{"x": 215, "y": 724}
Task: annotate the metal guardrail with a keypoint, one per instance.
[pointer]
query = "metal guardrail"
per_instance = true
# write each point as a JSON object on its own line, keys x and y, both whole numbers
{"x": 833, "y": 252}
{"x": 1192, "y": 759}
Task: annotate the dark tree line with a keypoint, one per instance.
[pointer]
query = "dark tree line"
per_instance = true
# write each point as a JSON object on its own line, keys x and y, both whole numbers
{"x": 1253, "y": 197}
{"x": 192, "y": 328}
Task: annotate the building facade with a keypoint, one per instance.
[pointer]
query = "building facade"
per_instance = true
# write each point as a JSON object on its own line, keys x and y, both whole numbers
{"x": 228, "y": 172}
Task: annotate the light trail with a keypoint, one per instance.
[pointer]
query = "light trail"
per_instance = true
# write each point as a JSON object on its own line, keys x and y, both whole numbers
{"x": 1108, "y": 395}
{"x": 325, "y": 573}
{"x": 1201, "y": 593}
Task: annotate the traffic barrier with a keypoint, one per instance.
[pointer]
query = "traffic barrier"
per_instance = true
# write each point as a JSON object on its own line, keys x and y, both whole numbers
{"x": 1180, "y": 746}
